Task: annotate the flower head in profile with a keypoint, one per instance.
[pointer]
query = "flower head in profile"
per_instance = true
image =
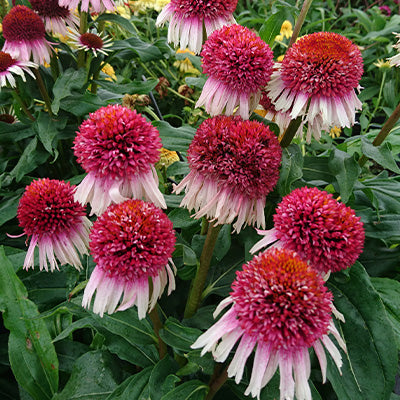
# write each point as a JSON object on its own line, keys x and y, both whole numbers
{"x": 321, "y": 230}
{"x": 96, "y": 6}
{"x": 395, "y": 60}
{"x": 9, "y": 67}
{"x": 238, "y": 64}
{"x": 55, "y": 17}
{"x": 56, "y": 223}
{"x": 234, "y": 164}
{"x": 188, "y": 17}
{"x": 118, "y": 148}
{"x": 91, "y": 42}
{"x": 317, "y": 80}
{"x": 281, "y": 307}
{"x": 131, "y": 243}
{"x": 24, "y": 32}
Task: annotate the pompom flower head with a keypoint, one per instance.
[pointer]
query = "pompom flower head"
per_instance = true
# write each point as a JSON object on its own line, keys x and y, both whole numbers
{"x": 317, "y": 80}
{"x": 118, "y": 149}
{"x": 238, "y": 64}
{"x": 131, "y": 243}
{"x": 281, "y": 307}
{"x": 187, "y": 18}
{"x": 97, "y": 6}
{"x": 234, "y": 164}
{"x": 55, "y": 17}
{"x": 24, "y": 32}
{"x": 9, "y": 66}
{"x": 57, "y": 223}
{"x": 322, "y": 231}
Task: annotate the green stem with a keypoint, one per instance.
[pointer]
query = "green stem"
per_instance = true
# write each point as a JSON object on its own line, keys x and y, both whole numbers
{"x": 204, "y": 226}
{"x": 217, "y": 380}
{"x": 384, "y": 132}
{"x": 22, "y": 105}
{"x": 43, "y": 90}
{"x": 55, "y": 69}
{"x": 300, "y": 21}
{"x": 83, "y": 24}
{"x": 199, "y": 280}
{"x": 157, "y": 325}
{"x": 291, "y": 130}
{"x": 179, "y": 95}
{"x": 149, "y": 111}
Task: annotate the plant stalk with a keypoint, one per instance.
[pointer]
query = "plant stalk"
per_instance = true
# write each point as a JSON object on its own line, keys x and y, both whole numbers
{"x": 384, "y": 132}
{"x": 43, "y": 90}
{"x": 199, "y": 280}
{"x": 300, "y": 21}
{"x": 217, "y": 380}
{"x": 157, "y": 325}
{"x": 291, "y": 130}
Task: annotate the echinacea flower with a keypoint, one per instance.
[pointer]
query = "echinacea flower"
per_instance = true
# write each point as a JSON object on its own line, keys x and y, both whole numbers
{"x": 57, "y": 223}
{"x": 317, "y": 80}
{"x": 97, "y": 6}
{"x": 131, "y": 244}
{"x": 25, "y": 32}
{"x": 91, "y": 42}
{"x": 320, "y": 229}
{"x": 10, "y": 66}
{"x": 118, "y": 148}
{"x": 238, "y": 64}
{"x": 233, "y": 164}
{"x": 281, "y": 307}
{"x": 187, "y": 18}
{"x": 55, "y": 17}
{"x": 395, "y": 60}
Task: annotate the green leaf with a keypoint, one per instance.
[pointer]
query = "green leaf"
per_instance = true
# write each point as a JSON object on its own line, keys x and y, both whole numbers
{"x": 178, "y": 168}
{"x": 370, "y": 366}
{"x": 385, "y": 227}
{"x": 272, "y": 27}
{"x": 135, "y": 87}
{"x": 192, "y": 390}
{"x": 223, "y": 243}
{"x": 95, "y": 375}
{"x": 8, "y": 209}
{"x": 118, "y": 19}
{"x": 47, "y": 130}
{"x": 316, "y": 171}
{"x": 178, "y": 336}
{"x": 68, "y": 81}
{"x": 145, "y": 51}
{"x": 180, "y": 217}
{"x": 133, "y": 388}
{"x": 291, "y": 169}
{"x": 82, "y": 104}
{"x": 389, "y": 290}
{"x": 32, "y": 157}
{"x": 159, "y": 382}
{"x": 177, "y": 139}
{"x": 346, "y": 170}
{"x": 32, "y": 356}
{"x": 381, "y": 154}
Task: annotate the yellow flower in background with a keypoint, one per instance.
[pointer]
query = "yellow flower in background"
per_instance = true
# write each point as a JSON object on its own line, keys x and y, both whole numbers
{"x": 1, "y": 28}
{"x": 280, "y": 58}
{"x": 383, "y": 64}
{"x": 160, "y": 4}
{"x": 167, "y": 158}
{"x": 109, "y": 70}
{"x": 124, "y": 11}
{"x": 286, "y": 31}
{"x": 335, "y": 132}
{"x": 185, "y": 66}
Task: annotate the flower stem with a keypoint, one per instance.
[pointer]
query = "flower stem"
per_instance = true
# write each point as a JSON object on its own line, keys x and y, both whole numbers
{"x": 43, "y": 90}
{"x": 291, "y": 130}
{"x": 179, "y": 95}
{"x": 157, "y": 325}
{"x": 22, "y": 105}
{"x": 83, "y": 23}
{"x": 199, "y": 280}
{"x": 378, "y": 101}
{"x": 217, "y": 380}
{"x": 300, "y": 21}
{"x": 384, "y": 132}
